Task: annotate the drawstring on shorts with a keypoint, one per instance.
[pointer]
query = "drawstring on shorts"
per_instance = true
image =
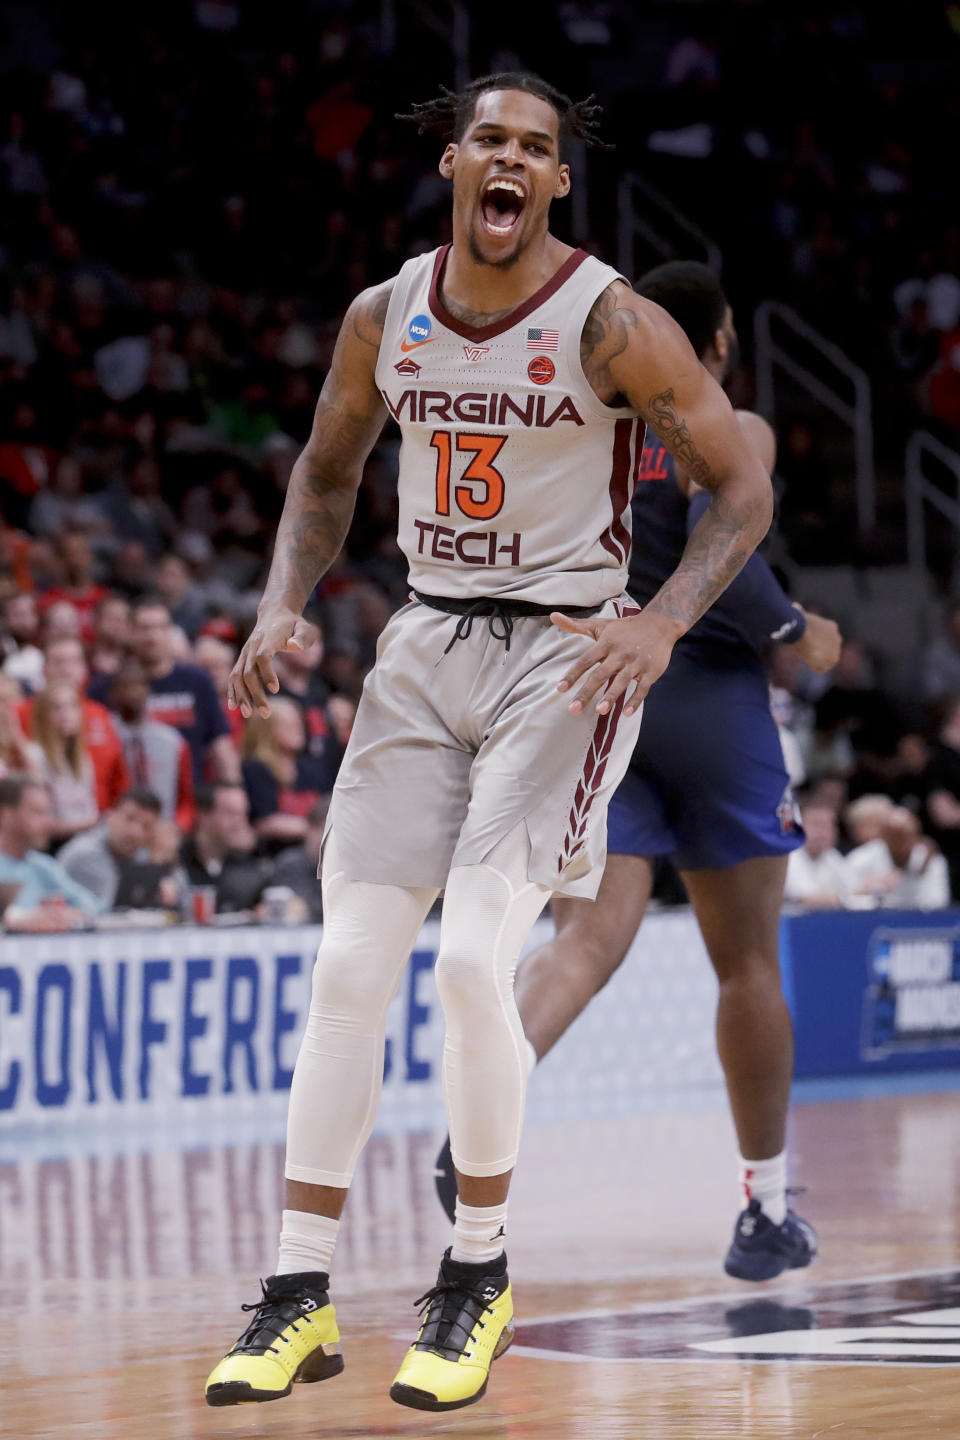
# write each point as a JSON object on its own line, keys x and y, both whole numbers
{"x": 500, "y": 615}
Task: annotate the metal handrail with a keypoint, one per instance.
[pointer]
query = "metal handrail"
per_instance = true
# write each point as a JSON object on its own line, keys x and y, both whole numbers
{"x": 771, "y": 355}
{"x": 632, "y": 222}
{"x": 921, "y": 491}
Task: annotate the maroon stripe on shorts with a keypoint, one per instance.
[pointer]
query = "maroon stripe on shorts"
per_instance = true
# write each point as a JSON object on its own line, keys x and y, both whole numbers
{"x": 591, "y": 779}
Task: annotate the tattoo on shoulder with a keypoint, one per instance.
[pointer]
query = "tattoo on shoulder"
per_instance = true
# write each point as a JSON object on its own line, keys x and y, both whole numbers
{"x": 370, "y": 314}
{"x": 606, "y": 335}
{"x": 661, "y": 413}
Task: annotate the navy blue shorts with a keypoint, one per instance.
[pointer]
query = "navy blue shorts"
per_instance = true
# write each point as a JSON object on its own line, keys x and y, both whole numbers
{"x": 707, "y": 784}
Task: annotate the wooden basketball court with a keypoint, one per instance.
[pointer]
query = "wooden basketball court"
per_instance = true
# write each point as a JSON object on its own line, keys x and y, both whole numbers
{"x": 122, "y": 1272}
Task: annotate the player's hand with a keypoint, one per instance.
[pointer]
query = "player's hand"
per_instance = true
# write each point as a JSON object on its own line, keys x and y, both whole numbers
{"x": 634, "y": 651}
{"x": 820, "y": 644}
{"x": 253, "y": 675}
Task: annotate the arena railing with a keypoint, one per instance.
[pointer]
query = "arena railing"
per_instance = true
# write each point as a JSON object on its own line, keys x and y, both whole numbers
{"x": 781, "y": 337}
{"x": 922, "y": 491}
{"x": 666, "y": 230}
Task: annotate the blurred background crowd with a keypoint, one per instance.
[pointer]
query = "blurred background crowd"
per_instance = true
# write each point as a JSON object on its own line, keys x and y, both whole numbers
{"x": 189, "y": 198}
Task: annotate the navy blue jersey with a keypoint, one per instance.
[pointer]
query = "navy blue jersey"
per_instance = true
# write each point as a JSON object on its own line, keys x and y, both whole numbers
{"x": 707, "y": 783}
{"x": 749, "y": 613}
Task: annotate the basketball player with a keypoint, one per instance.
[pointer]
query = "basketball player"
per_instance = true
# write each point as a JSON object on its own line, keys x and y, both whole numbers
{"x": 506, "y": 697}
{"x": 707, "y": 785}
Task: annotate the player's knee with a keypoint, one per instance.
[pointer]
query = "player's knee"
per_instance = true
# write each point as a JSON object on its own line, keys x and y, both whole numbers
{"x": 346, "y": 979}
{"x": 589, "y": 954}
{"x": 746, "y": 965}
{"x": 466, "y": 977}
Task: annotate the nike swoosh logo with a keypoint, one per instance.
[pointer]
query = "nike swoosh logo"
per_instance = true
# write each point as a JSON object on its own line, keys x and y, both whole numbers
{"x": 406, "y": 345}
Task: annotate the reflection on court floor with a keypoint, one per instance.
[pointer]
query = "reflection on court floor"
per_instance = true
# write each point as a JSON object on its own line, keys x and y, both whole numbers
{"x": 143, "y": 1252}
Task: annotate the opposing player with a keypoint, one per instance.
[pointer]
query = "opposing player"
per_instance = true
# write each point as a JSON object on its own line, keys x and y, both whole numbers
{"x": 706, "y": 785}
{"x": 490, "y": 735}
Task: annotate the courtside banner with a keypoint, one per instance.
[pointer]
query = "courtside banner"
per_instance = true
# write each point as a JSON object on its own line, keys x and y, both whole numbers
{"x": 873, "y": 991}
{"x": 176, "y": 1018}
{"x": 196, "y": 1021}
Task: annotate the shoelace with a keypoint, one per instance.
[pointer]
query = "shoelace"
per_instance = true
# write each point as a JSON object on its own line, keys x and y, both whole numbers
{"x": 470, "y": 1298}
{"x": 489, "y": 610}
{"x": 272, "y": 1314}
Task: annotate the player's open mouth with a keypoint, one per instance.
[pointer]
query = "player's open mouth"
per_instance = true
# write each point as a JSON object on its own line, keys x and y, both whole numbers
{"x": 502, "y": 204}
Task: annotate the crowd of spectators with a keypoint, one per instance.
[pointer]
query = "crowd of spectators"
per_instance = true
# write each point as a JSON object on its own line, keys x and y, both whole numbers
{"x": 130, "y": 788}
{"x": 188, "y": 200}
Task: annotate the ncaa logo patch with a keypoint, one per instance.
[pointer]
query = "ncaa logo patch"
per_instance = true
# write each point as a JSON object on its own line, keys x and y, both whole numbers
{"x": 541, "y": 370}
{"x": 419, "y": 332}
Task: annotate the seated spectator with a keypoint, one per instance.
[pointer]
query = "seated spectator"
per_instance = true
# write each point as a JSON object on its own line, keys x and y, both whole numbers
{"x": 221, "y": 850}
{"x": 135, "y": 507}
{"x": 61, "y": 621}
{"x": 940, "y": 662}
{"x": 864, "y": 818}
{"x": 115, "y": 861}
{"x": 65, "y": 660}
{"x": 111, "y": 635}
{"x": 181, "y": 694}
{"x": 64, "y": 506}
{"x": 941, "y": 812}
{"x": 38, "y": 894}
{"x": 218, "y": 657}
{"x": 182, "y": 597}
{"x": 157, "y": 755}
{"x": 324, "y": 715}
{"x": 901, "y": 868}
{"x": 18, "y": 755}
{"x": 67, "y": 770}
{"x": 24, "y": 657}
{"x": 297, "y": 865}
{"x": 816, "y": 874}
{"x": 283, "y": 780}
{"x": 79, "y": 588}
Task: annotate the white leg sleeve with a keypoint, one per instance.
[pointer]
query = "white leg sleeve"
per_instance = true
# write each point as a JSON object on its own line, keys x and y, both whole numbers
{"x": 488, "y": 912}
{"x": 368, "y": 933}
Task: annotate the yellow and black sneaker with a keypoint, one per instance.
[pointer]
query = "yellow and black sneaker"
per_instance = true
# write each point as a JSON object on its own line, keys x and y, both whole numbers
{"x": 467, "y": 1324}
{"x": 293, "y": 1336}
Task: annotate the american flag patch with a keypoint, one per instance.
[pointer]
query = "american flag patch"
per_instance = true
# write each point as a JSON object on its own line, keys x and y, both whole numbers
{"x": 543, "y": 339}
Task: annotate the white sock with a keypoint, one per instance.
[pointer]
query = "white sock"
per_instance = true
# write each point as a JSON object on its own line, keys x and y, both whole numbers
{"x": 766, "y": 1181}
{"x": 306, "y": 1242}
{"x": 478, "y": 1232}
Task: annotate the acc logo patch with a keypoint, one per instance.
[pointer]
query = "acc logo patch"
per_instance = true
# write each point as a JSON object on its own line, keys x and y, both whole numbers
{"x": 541, "y": 370}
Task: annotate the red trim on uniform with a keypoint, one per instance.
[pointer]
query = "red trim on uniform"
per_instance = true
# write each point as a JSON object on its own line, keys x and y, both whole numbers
{"x": 591, "y": 779}
{"x": 487, "y": 332}
{"x": 638, "y": 461}
{"x": 616, "y": 539}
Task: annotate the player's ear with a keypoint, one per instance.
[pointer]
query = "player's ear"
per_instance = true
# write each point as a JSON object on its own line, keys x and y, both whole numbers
{"x": 446, "y": 161}
{"x": 562, "y": 186}
{"x": 721, "y": 346}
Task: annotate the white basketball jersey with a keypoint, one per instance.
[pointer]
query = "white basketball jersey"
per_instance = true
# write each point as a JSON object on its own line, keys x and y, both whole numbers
{"x": 515, "y": 480}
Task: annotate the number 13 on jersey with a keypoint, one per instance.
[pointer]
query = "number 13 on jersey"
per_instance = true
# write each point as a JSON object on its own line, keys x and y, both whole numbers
{"x": 479, "y": 494}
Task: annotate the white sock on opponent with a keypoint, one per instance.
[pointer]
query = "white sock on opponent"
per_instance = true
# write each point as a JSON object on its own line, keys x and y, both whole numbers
{"x": 766, "y": 1181}
{"x": 478, "y": 1232}
{"x": 306, "y": 1242}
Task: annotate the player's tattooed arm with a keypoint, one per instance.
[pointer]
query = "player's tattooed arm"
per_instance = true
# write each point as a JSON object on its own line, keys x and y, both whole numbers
{"x": 605, "y": 337}
{"x": 638, "y": 354}
{"x": 320, "y": 500}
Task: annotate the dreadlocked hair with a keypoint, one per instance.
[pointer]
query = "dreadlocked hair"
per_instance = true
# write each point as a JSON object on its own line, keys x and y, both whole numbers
{"x": 450, "y": 112}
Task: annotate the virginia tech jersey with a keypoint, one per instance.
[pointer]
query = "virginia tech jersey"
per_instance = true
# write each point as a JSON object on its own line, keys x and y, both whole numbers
{"x": 515, "y": 480}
